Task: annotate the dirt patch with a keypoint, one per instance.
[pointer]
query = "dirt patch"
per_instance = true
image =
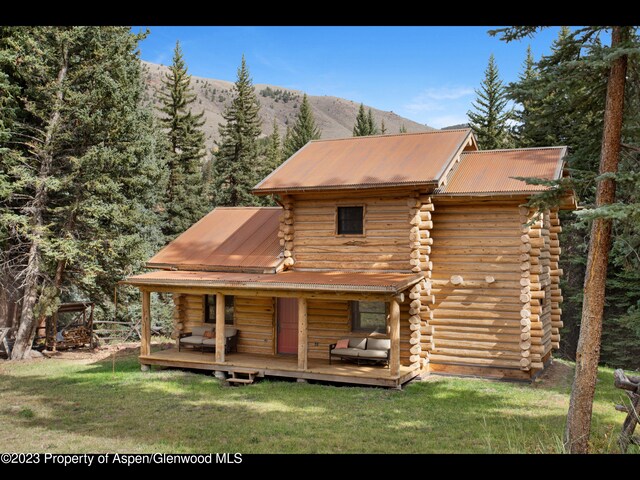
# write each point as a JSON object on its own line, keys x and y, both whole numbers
{"x": 556, "y": 375}
{"x": 97, "y": 354}
{"x": 85, "y": 355}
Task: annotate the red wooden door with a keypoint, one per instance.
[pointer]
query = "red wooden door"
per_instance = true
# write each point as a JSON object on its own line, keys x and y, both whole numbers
{"x": 287, "y": 325}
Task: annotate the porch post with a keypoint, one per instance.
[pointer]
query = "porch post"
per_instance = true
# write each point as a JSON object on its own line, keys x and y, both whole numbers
{"x": 145, "y": 328}
{"x": 219, "y": 328}
{"x": 394, "y": 334}
{"x": 302, "y": 333}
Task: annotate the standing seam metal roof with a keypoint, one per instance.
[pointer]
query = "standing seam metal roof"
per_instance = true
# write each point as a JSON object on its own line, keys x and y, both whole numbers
{"x": 493, "y": 171}
{"x": 367, "y": 162}
{"x": 226, "y": 238}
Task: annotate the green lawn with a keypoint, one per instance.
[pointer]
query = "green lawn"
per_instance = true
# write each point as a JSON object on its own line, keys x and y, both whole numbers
{"x": 82, "y": 406}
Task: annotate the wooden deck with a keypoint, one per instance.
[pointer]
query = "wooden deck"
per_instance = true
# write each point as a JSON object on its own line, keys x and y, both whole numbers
{"x": 282, "y": 366}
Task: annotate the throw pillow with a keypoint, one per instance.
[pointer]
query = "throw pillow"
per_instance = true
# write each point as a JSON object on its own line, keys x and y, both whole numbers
{"x": 344, "y": 343}
{"x": 209, "y": 334}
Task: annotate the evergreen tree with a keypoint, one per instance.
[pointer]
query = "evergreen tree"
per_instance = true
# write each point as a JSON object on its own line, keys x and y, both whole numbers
{"x": 273, "y": 155}
{"x": 361, "y": 127}
{"x": 185, "y": 149}
{"x": 383, "y": 127}
{"x": 236, "y": 165}
{"x": 81, "y": 163}
{"x": 402, "y": 129}
{"x": 371, "y": 124}
{"x": 578, "y": 96}
{"x": 526, "y": 99}
{"x": 489, "y": 120}
{"x": 303, "y": 131}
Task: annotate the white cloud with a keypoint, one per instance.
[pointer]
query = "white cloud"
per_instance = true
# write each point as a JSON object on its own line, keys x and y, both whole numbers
{"x": 442, "y": 121}
{"x": 436, "y": 99}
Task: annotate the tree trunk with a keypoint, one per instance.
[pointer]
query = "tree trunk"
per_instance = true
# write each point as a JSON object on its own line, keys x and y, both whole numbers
{"x": 28, "y": 321}
{"x": 578, "y": 425}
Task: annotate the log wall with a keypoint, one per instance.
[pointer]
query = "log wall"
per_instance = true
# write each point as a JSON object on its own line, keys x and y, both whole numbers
{"x": 478, "y": 260}
{"x": 315, "y": 245}
{"x": 327, "y": 323}
{"x": 253, "y": 316}
{"x": 254, "y": 319}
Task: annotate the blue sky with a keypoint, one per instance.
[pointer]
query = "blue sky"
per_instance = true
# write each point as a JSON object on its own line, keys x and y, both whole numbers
{"x": 427, "y": 74}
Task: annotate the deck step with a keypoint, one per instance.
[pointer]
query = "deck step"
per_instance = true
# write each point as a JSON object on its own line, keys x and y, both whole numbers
{"x": 245, "y": 381}
{"x": 247, "y": 371}
{"x": 243, "y": 376}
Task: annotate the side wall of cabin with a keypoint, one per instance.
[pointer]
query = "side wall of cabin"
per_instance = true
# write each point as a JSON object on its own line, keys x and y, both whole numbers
{"x": 496, "y": 286}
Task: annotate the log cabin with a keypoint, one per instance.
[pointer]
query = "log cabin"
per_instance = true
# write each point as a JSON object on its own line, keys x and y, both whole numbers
{"x": 419, "y": 239}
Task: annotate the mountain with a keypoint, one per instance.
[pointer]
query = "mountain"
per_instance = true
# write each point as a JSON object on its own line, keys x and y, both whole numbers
{"x": 334, "y": 115}
{"x": 457, "y": 126}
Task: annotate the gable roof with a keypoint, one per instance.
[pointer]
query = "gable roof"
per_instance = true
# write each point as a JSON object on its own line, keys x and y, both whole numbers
{"x": 368, "y": 162}
{"x": 226, "y": 239}
{"x": 492, "y": 171}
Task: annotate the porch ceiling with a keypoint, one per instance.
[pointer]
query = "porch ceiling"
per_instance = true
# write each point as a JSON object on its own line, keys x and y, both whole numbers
{"x": 365, "y": 282}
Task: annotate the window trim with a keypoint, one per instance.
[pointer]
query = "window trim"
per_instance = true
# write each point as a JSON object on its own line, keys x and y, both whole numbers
{"x": 205, "y": 299}
{"x": 337, "y": 218}
{"x": 352, "y": 328}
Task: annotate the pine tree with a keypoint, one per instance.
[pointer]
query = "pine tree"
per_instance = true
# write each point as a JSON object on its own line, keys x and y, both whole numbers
{"x": 185, "y": 149}
{"x": 361, "y": 127}
{"x": 304, "y": 130}
{"x": 273, "y": 155}
{"x": 383, "y": 127}
{"x": 579, "y": 93}
{"x": 236, "y": 166}
{"x": 371, "y": 124}
{"x": 489, "y": 120}
{"x": 402, "y": 129}
{"x": 82, "y": 165}
{"x": 524, "y": 96}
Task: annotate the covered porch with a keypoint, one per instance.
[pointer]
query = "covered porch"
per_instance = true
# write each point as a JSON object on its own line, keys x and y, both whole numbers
{"x": 282, "y": 366}
{"x": 305, "y": 287}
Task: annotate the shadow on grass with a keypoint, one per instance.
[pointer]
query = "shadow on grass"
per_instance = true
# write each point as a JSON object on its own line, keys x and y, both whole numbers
{"x": 172, "y": 410}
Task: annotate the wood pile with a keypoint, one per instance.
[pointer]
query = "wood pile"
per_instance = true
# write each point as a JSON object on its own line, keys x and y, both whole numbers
{"x": 75, "y": 337}
{"x": 631, "y": 386}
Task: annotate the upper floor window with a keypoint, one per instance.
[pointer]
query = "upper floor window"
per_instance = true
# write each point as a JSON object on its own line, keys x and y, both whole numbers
{"x": 350, "y": 220}
{"x": 210, "y": 309}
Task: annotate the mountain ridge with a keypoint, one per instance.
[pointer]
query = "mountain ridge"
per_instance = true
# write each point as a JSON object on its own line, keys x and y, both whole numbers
{"x": 334, "y": 115}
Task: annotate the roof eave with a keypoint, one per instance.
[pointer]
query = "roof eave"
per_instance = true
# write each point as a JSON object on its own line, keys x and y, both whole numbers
{"x": 390, "y": 289}
{"x": 367, "y": 186}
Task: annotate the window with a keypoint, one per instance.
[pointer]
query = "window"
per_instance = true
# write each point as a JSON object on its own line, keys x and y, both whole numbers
{"x": 210, "y": 309}
{"x": 369, "y": 317}
{"x": 350, "y": 221}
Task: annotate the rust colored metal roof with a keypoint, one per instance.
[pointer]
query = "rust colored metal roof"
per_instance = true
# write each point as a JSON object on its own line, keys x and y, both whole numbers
{"x": 492, "y": 171}
{"x": 226, "y": 239}
{"x": 367, "y": 162}
{"x": 290, "y": 280}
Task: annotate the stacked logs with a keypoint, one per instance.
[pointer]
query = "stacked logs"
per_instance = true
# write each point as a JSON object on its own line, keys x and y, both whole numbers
{"x": 555, "y": 273}
{"x": 535, "y": 282}
{"x": 420, "y": 209}
{"x": 286, "y": 231}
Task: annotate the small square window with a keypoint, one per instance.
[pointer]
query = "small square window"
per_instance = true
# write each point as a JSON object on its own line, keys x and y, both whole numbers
{"x": 350, "y": 220}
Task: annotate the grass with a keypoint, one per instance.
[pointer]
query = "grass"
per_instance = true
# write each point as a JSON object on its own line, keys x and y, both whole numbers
{"x": 70, "y": 406}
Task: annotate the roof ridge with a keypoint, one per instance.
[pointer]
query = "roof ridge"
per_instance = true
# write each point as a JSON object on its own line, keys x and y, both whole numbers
{"x": 515, "y": 149}
{"x": 388, "y": 135}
